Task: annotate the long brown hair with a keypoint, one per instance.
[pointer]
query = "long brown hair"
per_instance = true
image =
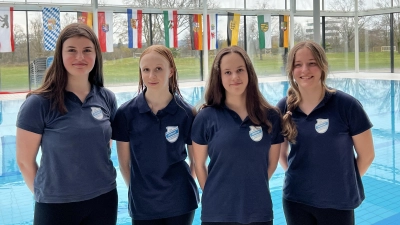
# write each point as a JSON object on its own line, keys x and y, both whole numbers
{"x": 293, "y": 95}
{"x": 56, "y": 76}
{"x": 215, "y": 96}
{"x": 167, "y": 54}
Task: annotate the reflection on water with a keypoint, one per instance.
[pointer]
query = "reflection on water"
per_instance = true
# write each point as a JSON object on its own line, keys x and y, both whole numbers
{"x": 380, "y": 98}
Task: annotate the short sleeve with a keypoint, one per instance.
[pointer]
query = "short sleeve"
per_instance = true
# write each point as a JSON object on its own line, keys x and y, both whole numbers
{"x": 31, "y": 115}
{"x": 120, "y": 126}
{"x": 358, "y": 120}
{"x": 276, "y": 135}
{"x": 282, "y": 105}
{"x": 199, "y": 129}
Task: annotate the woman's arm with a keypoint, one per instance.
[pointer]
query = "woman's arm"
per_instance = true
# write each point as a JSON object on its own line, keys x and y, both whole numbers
{"x": 200, "y": 156}
{"x": 283, "y": 155}
{"x": 124, "y": 159}
{"x": 273, "y": 158}
{"x": 27, "y": 149}
{"x": 364, "y": 147}
{"x": 191, "y": 161}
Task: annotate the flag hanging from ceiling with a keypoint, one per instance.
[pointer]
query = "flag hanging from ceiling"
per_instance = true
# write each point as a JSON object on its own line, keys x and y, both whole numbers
{"x": 212, "y": 27}
{"x": 264, "y": 31}
{"x": 171, "y": 28}
{"x": 6, "y": 29}
{"x": 284, "y": 31}
{"x": 51, "y": 27}
{"x": 134, "y": 28}
{"x": 233, "y": 28}
{"x": 196, "y": 31}
{"x": 105, "y": 31}
{"x": 85, "y": 18}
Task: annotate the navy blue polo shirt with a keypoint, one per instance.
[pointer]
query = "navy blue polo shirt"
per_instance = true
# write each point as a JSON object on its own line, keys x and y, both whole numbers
{"x": 322, "y": 168}
{"x": 75, "y": 164}
{"x": 161, "y": 185}
{"x": 237, "y": 188}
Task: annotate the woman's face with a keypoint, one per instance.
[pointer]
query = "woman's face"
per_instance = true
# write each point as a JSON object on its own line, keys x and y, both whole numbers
{"x": 79, "y": 56}
{"x": 306, "y": 71}
{"x": 155, "y": 71}
{"x": 234, "y": 75}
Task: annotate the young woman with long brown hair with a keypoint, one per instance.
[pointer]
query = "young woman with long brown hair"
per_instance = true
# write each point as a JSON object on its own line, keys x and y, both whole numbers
{"x": 241, "y": 133}
{"x": 70, "y": 117}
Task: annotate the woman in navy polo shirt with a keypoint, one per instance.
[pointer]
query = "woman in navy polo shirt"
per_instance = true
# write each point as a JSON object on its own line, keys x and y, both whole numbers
{"x": 151, "y": 131}
{"x": 241, "y": 133}
{"x": 323, "y": 178}
{"x": 69, "y": 116}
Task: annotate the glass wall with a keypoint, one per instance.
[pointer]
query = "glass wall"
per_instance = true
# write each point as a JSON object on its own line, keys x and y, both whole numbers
{"x": 374, "y": 44}
{"x": 396, "y": 17}
{"x": 266, "y": 61}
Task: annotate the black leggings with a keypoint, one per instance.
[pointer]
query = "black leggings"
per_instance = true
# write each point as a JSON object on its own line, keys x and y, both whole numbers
{"x": 185, "y": 219}
{"x": 99, "y": 210}
{"x": 233, "y": 223}
{"x": 300, "y": 214}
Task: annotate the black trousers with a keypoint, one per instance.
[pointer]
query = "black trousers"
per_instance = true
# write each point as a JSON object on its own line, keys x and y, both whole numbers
{"x": 300, "y": 214}
{"x": 100, "y": 210}
{"x": 233, "y": 223}
{"x": 185, "y": 219}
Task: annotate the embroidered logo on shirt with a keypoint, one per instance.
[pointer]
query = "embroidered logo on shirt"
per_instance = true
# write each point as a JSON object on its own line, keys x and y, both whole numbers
{"x": 256, "y": 133}
{"x": 322, "y": 125}
{"x": 172, "y": 134}
{"x": 97, "y": 113}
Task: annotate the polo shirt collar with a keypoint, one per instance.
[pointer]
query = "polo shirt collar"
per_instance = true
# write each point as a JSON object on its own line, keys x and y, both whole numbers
{"x": 93, "y": 91}
{"x": 326, "y": 98}
{"x": 171, "y": 108}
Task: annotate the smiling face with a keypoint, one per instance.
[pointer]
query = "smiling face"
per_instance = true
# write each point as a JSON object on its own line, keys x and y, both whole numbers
{"x": 234, "y": 75}
{"x": 155, "y": 71}
{"x": 306, "y": 71}
{"x": 78, "y": 56}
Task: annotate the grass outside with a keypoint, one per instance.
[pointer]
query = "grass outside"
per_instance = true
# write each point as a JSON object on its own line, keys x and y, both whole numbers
{"x": 126, "y": 71}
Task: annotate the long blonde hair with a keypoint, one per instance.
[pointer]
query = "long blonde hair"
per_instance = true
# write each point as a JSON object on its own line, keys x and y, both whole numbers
{"x": 289, "y": 129}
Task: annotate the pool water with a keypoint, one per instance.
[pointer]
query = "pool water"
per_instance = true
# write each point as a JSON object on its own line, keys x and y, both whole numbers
{"x": 380, "y": 98}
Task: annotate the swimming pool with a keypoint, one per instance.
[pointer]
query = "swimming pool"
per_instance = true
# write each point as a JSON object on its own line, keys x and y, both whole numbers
{"x": 380, "y": 98}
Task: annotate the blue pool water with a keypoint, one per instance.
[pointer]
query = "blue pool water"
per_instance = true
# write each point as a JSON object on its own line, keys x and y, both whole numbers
{"x": 380, "y": 98}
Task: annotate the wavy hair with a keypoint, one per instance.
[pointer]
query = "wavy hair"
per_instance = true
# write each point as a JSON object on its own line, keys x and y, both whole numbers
{"x": 293, "y": 100}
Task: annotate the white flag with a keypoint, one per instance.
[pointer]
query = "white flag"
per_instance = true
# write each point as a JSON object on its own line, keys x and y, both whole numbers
{"x": 6, "y": 30}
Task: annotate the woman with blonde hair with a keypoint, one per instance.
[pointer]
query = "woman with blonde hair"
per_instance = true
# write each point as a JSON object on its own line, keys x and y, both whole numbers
{"x": 152, "y": 131}
{"x": 322, "y": 126}
{"x": 69, "y": 116}
{"x": 241, "y": 133}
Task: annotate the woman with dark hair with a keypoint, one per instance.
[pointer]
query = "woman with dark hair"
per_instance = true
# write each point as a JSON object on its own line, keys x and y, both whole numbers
{"x": 69, "y": 116}
{"x": 152, "y": 131}
{"x": 241, "y": 133}
{"x": 322, "y": 125}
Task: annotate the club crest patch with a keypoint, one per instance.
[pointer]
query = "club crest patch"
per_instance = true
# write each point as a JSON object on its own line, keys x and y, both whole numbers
{"x": 256, "y": 133}
{"x": 97, "y": 113}
{"x": 322, "y": 125}
{"x": 172, "y": 134}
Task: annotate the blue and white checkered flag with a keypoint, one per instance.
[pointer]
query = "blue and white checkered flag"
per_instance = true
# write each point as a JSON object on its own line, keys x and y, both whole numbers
{"x": 51, "y": 27}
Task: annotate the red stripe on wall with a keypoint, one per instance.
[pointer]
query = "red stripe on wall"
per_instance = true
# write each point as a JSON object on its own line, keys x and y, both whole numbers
{"x": 175, "y": 18}
{"x": 102, "y": 34}
{"x": 208, "y": 31}
{"x": 196, "y": 33}
{"x": 12, "y": 28}
{"x": 139, "y": 29}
